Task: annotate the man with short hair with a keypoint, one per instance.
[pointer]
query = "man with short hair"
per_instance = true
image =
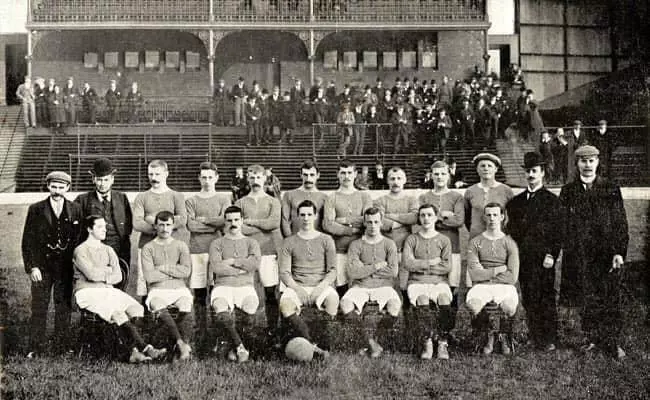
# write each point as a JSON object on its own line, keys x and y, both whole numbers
{"x": 261, "y": 214}
{"x": 166, "y": 264}
{"x": 205, "y": 219}
{"x": 52, "y": 231}
{"x": 426, "y": 257}
{"x": 239, "y": 93}
{"x": 89, "y": 103}
{"x": 113, "y": 97}
{"x": 493, "y": 265}
{"x": 372, "y": 268}
{"x": 111, "y": 204}
{"x": 147, "y": 204}
{"x": 343, "y": 217}
{"x": 220, "y": 97}
{"x": 534, "y": 220}
{"x": 234, "y": 259}
{"x": 594, "y": 251}
{"x": 25, "y": 94}
{"x": 309, "y": 174}
{"x": 134, "y": 101}
{"x": 70, "y": 96}
{"x": 96, "y": 270}
{"x": 308, "y": 270}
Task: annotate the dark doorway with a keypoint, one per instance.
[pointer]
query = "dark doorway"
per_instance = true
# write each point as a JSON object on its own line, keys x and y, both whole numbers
{"x": 16, "y": 69}
{"x": 505, "y": 59}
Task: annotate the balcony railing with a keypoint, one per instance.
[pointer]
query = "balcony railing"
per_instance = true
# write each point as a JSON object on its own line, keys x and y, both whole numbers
{"x": 249, "y": 11}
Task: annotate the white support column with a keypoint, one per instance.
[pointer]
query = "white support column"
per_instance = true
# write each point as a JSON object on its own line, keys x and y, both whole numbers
{"x": 29, "y": 55}
{"x": 211, "y": 60}
{"x": 312, "y": 54}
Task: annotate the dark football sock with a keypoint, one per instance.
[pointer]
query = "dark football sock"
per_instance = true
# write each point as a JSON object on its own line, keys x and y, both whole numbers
{"x": 132, "y": 333}
{"x": 227, "y": 322}
{"x": 169, "y": 322}
{"x": 271, "y": 309}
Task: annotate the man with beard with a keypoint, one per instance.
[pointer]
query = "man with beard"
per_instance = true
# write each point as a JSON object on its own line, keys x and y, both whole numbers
{"x": 52, "y": 231}
{"x": 535, "y": 217}
{"x": 145, "y": 207}
{"x": 594, "y": 252}
{"x": 309, "y": 174}
{"x": 111, "y": 204}
{"x": 261, "y": 214}
{"x": 343, "y": 218}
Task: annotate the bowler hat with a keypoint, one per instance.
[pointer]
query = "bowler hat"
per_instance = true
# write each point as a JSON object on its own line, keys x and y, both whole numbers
{"x": 533, "y": 159}
{"x": 58, "y": 176}
{"x": 102, "y": 167}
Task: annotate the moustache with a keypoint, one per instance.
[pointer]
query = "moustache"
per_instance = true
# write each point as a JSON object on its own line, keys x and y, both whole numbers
{"x": 256, "y": 185}
{"x": 154, "y": 181}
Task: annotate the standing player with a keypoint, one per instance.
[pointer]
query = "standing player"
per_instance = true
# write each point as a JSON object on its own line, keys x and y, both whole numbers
{"x": 112, "y": 205}
{"x": 147, "y": 204}
{"x": 400, "y": 212}
{"x": 261, "y": 214}
{"x": 308, "y": 191}
{"x": 535, "y": 217}
{"x": 234, "y": 258}
{"x": 308, "y": 269}
{"x": 493, "y": 264}
{"x": 204, "y": 221}
{"x": 52, "y": 231}
{"x": 343, "y": 218}
{"x": 426, "y": 257}
{"x": 372, "y": 269}
{"x": 166, "y": 264}
{"x": 96, "y": 270}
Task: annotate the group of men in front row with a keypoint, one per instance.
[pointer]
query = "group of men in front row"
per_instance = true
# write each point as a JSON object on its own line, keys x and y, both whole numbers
{"x": 340, "y": 251}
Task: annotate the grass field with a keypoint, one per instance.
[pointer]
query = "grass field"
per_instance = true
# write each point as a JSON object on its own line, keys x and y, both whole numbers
{"x": 564, "y": 374}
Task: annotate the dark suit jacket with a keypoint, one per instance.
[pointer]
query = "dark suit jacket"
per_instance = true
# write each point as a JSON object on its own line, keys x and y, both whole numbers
{"x": 39, "y": 231}
{"x": 122, "y": 214}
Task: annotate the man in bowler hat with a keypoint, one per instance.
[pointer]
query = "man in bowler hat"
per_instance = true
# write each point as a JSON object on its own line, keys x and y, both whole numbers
{"x": 534, "y": 222}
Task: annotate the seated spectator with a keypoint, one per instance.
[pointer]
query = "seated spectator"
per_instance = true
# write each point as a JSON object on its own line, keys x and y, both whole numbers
{"x": 272, "y": 185}
{"x": 379, "y": 181}
{"x": 362, "y": 181}
{"x": 239, "y": 185}
{"x": 455, "y": 175}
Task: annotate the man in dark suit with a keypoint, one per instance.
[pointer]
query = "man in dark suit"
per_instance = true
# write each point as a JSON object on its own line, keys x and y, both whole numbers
{"x": 52, "y": 231}
{"x": 220, "y": 98}
{"x": 594, "y": 251}
{"x": 534, "y": 222}
{"x": 605, "y": 142}
{"x": 89, "y": 102}
{"x": 574, "y": 139}
{"x": 112, "y": 98}
{"x": 112, "y": 205}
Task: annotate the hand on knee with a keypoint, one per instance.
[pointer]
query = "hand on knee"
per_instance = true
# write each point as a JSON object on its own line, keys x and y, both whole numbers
{"x": 393, "y": 306}
{"x": 346, "y": 306}
{"x": 220, "y": 305}
{"x": 509, "y": 308}
{"x": 288, "y": 308}
{"x": 444, "y": 299}
{"x": 474, "y": 306}
{"x": 249, "y": 305}
{"x": 422, "y": 300}
{"x": 331, "y": 304}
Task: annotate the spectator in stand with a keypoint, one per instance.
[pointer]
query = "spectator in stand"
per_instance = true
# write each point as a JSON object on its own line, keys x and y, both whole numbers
{"x": 298, "y": 99}
{"x": 134, "y": 101}
{"x": 378, "y": 89}
{"x": 220, "y": 97}
{"x": 263, "y": 127}
{"x": 465, "y": 121}
{"x": 385, "y": 109}
{"x": 70, "y": 99}
{"x": 546, "y": 150}
{"x": 363, "y": 180}
{"x": 25, "y": 93}
{"x": 455, "y": 175}
{"x": 289, "y": 119}
{"x": 239, "y": 185}
{"x": 427, "y": 180}
{"x": 112, "y": 98}
{"x": 239, "y": 94}
{"x": 56, "y": 107}
{"x": 503, "y": 110}
{"x": 535, "y": 124}
{"x": 374, "y": 131}
{"x": 575, "y": 139}
{"x": 378, "y": 178}
{"x": 256, "y": 90}
{"x": 442, "y": 130}
{"x": 396, "y": 90}
{"x": 41, "y": 103}
{"x": 359, "y": 129}
{"x": 345, "y": 120}
{"x": 89, "y": 102}
{"x": 320, "y": 108}
{"x": 331, "y": 96}
{"x": 313, "y": 91}
{"x": 605, "y": 142}
{"x": 494, "y": 112}
{"x": 560, "y": 156}
{"x": 272, "y": 185}
{"x": 345, "y": 96}
{"x": 402, "y": 129}
{"x": 518, "y": 75}
{"x": 253, "y": 114}
{"x": 369, "y": 98}
{"x": 275, "y": 112}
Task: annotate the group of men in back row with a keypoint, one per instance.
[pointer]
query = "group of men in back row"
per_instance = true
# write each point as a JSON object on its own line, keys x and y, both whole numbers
{"x": 336, "y": 251}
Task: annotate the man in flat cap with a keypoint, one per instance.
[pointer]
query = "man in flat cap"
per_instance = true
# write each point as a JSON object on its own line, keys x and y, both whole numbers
{"x": 594, "y": 250}
{"x": 112, "y": 205}
{"x": 534, "y": 220}
{"x": 52, "y": 231}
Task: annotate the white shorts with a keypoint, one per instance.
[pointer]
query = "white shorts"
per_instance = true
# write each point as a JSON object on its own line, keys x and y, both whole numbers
{"x": 171, "y": 297}
{"x": 234, "y": 295}
{"x": 360, "y": 296}
{"x": 269, "y": 274}
{"x": 341, "y": 269}
{"x": 484, "y": 293}
{"x": 290, "y": 294}
{"x": 105, "y": 302}
{"x": 141, "y": 283}
{"x": 199, "y": 277}
{"x": 430, "y": 290}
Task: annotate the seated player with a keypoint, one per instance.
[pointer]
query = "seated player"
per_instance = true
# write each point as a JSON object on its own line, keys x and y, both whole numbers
{"x": 426, "y": 256}
{"x": 372, "y": 269}
{"x": 166, "y": 264}
{"x": 308, "y": 269}
{"x": 96, "y": 270}
{"x": 234, "y": 258}
{"x": 493, "y": 265}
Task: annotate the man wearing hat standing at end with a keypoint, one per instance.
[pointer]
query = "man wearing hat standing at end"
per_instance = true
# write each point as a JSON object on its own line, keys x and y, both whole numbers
{"x": 52, "y": 231}
{"x": 594, "y": 251}
{"x": 534, "y": 220}
{"x": 112, "y": 205}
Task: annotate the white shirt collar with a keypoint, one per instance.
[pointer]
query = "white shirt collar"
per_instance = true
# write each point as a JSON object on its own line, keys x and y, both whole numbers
{"x": 535, "y": 189}
{"x": 101, "y": 196}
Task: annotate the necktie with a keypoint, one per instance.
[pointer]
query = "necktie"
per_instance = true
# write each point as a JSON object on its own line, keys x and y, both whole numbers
{"x": 530, "y": 195}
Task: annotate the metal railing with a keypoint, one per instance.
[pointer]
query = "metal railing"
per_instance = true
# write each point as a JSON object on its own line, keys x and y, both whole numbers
{"x": 375, "y": 130}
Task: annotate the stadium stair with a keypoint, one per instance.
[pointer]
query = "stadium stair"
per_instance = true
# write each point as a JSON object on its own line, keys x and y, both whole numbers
{"x": 12, "y": 137}
{"x": 184, "y": 147}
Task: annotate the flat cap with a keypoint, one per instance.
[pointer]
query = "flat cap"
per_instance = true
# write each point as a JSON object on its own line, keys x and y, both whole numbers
{"x": 439, "y": 164}
{"x": 602, "y": 122}
{"x": 58, "y": 176}
{"x": 487, "y": 156}
{"x": 586, "y": 151}
{"x": 577, "y": 122}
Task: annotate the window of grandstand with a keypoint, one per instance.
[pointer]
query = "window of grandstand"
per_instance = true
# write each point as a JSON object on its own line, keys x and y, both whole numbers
{"x": 151, "y": 59}
{"x": 408, "y": 60}
{"x": 131, "y": 59}
{"x": 330, "y": 59}
{"x": 90, "y": 60}
{"x": 172, "y": 59}
{"x": 350, "y": 60}
{"x": 192, "y": 60}
{"x": 111, "y": 59}
{"x": 389, "y": 59}
{"x": 370, "y": 60}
